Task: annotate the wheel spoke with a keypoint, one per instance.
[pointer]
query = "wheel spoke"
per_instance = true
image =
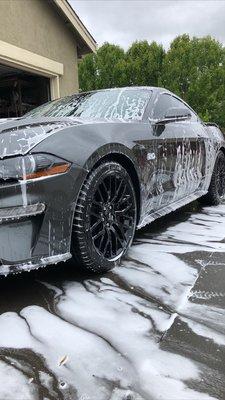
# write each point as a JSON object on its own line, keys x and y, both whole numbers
{"x": 96, "y": 203}
{"x": 101, "y": 241}
{"x": 114, "y": 241}
{"x": 110, "y": 188}
{"x": 124, "y": 210}
{"x": 117, "y": 238}
{"x": 123, "y": 199}
{"x": 117, "y": 191}
{"x": 107, "y": 244}
{"x": 94, "y": 214}
{"x": 121, "y": 233}
{"x": 106, "y": 191}
{"x": 96, "y": 224}
{"x": 110, "y": 243}
{"x": 100, "y": 195}
{"x": 99, "y": 234}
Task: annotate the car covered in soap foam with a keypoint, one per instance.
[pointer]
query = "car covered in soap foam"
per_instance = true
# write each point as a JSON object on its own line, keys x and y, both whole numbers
{"x": 78, "y": 175}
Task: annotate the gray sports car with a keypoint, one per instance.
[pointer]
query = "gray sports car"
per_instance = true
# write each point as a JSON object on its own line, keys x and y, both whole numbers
{"x": 80, "y": 174}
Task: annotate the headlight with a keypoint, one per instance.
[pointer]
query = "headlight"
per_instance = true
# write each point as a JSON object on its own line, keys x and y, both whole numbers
{"x": 32, "y": 167}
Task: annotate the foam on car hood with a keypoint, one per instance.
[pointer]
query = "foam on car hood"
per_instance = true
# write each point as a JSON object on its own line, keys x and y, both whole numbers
{"x": 19, "y": 135}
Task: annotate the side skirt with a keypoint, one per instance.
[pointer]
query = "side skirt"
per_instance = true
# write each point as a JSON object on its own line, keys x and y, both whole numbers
{"x": 171, "y": 207}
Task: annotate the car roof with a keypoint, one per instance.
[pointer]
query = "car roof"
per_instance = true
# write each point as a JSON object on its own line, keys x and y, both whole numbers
{"x": 153, "y": 88}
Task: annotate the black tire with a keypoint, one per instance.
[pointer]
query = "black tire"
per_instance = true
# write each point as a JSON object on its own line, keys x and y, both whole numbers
{"x": 105, "y": 218}
{"x": 216, "y": 189}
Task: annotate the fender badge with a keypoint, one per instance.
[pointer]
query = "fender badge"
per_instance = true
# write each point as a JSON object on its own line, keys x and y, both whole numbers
{"x": 150, "y": 156}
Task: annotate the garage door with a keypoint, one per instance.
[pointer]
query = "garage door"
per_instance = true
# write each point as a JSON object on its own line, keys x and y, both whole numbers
{"x": 21, "y": 91}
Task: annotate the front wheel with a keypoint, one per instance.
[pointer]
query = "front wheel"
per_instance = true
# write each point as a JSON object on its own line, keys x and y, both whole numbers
{"x": 105, "y": 218}
{"x": 216, "y": 189}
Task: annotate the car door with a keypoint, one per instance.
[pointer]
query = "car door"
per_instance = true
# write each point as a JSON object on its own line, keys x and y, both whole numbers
{"x": 180, "y": 152}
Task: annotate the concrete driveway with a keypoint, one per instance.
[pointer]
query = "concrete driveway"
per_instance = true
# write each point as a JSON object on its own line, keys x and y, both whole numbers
{"x": 153, "y": 328}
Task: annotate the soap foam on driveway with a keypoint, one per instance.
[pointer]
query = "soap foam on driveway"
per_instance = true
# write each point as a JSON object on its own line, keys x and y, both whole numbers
{"x": 152, "y": 328}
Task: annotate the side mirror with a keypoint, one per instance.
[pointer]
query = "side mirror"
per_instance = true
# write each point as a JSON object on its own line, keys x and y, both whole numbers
{"x": 175, "y": 114}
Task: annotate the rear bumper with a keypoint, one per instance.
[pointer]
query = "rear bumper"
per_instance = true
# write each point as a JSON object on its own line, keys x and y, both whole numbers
{"x": 35, "y": 228}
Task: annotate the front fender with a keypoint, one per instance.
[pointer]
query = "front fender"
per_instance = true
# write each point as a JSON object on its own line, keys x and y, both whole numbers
{"x": 83, "y": 143}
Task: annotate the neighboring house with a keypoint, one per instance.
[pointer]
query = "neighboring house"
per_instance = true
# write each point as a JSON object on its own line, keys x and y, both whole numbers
{"x": 40, "y": 43}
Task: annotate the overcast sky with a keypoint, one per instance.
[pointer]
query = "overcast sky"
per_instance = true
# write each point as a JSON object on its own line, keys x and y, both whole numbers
{"x": 124, "y": 21}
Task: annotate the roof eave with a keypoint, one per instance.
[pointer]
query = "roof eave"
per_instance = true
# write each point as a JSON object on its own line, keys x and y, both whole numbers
{"x": 86, "y": 42}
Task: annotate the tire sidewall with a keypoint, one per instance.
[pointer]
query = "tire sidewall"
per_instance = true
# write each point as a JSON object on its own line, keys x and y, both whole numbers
{"x": 213, "y": 186}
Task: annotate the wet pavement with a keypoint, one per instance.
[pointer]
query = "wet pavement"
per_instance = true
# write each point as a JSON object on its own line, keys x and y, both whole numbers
{"x": 153, "y": 328}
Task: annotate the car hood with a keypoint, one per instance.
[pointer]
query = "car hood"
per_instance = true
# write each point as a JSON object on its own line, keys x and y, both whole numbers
{"x": 19, "y": 135}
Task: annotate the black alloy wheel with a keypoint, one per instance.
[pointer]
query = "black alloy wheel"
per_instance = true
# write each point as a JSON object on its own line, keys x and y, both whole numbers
{"x": 216, "y": 189}
{"x": 105, "y": 218}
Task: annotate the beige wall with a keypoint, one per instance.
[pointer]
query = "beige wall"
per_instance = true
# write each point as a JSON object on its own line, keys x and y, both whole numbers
{"x": 35, "y": 25}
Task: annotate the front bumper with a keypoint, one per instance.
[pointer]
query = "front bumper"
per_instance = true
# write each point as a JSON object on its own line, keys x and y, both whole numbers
{"x": 11, "y": 214}
{"x": 36, "y": 220}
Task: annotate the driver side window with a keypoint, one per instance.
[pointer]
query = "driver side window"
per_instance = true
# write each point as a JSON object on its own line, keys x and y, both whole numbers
{"x": 167, "y": 101}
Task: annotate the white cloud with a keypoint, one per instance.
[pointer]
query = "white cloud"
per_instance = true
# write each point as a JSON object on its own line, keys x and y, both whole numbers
{"x": 123, "y": 22}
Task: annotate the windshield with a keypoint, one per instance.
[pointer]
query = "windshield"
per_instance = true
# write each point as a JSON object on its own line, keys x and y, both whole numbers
{"x": 125, "y": 104}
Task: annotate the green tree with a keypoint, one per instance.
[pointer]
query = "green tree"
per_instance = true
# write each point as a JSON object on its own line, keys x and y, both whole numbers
{"x": 195, "y": 70}
{"x": 176, "y": 66}
{"x": 87, "y": 73}
{"x": 105, "y": 69}
{"x": 144, "y": 63}
{"x": 110, "y": 66}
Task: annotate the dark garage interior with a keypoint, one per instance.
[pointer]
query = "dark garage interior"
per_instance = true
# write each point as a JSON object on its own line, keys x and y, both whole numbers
{"x": 21, "y": 91}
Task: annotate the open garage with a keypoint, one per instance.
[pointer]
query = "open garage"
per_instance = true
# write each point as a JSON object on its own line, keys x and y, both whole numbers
{"x": 40, "y": 44}
{"x": 21, "y": 91}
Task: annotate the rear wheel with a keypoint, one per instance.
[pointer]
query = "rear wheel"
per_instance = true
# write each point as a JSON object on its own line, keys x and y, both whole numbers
{"x": 105, "y": 218}
{"x": 216, "y": 190}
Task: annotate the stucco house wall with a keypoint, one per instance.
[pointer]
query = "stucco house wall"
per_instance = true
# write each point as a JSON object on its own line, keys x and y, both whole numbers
{"x": 36, "y": 26}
